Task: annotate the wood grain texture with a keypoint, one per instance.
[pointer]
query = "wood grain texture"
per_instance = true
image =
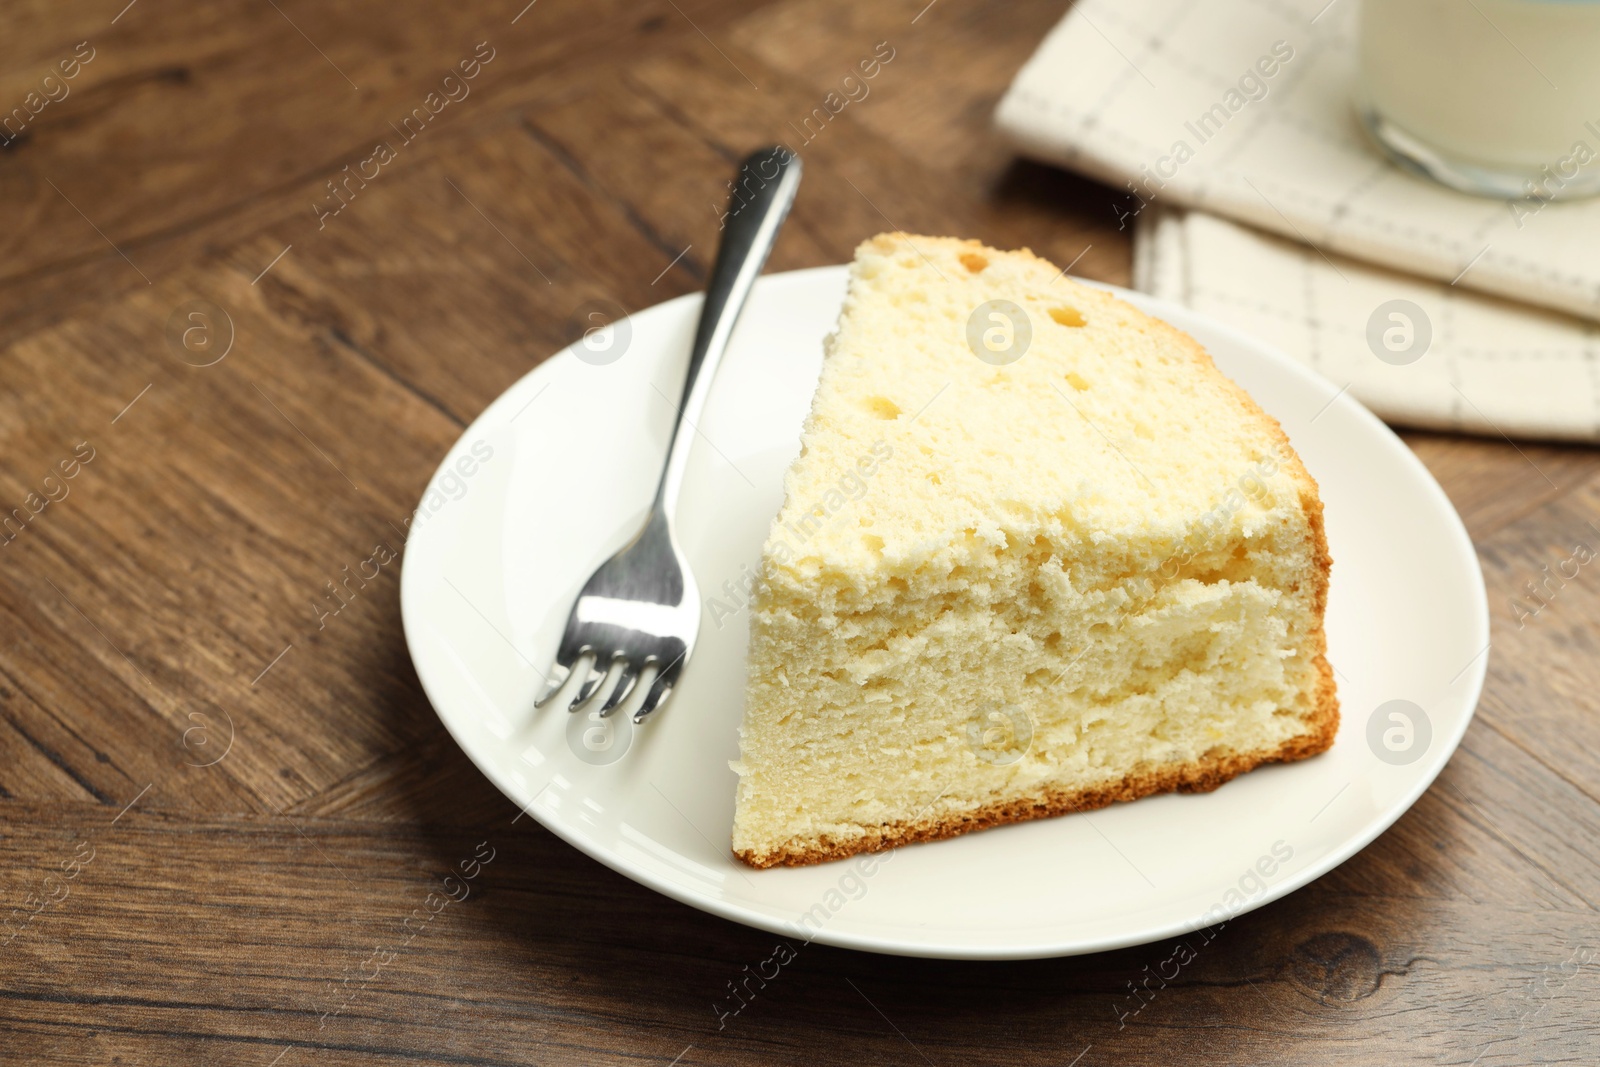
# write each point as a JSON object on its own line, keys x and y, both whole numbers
{"x": 255, "y": 911}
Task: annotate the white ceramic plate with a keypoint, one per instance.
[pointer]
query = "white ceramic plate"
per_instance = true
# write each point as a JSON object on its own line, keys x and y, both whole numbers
{"x": 557, "y": 474}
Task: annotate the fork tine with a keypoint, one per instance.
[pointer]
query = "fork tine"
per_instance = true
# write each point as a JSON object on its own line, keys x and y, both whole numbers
{"x": 624, "y": 686}
{"x": 660, "y": 689}
{"x": 553, "y": 683}
{"x": 597, "y": 675}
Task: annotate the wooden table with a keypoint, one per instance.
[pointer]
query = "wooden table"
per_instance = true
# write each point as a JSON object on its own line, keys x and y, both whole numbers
{"x": 172, "y": 599}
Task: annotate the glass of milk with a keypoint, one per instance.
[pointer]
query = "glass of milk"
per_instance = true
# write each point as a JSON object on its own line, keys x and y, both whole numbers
{"x": 1495, "y": 97}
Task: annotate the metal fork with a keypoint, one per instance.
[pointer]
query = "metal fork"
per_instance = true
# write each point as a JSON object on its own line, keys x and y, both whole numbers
{"x": 642, "y": 606}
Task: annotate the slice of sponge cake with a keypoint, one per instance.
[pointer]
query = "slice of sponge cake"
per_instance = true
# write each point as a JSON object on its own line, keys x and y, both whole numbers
{"x": 1037, "y": 555}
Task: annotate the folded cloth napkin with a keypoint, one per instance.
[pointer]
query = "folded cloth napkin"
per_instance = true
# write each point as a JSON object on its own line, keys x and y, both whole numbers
{"x": 1245, "y": 108}
{"x": 1417, "y": 351}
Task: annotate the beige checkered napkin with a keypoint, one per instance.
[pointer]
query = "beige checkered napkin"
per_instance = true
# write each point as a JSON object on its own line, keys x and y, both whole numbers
{"x": 1243, "y": 108}
{"x": 1417, "y": 351}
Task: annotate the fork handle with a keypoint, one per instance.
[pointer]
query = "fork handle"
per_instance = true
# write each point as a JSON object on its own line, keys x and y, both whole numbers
{"x": 763, "y": 190}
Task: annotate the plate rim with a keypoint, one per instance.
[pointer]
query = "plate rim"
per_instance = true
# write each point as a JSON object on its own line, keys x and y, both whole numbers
{"x": 1168, "y": 311}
